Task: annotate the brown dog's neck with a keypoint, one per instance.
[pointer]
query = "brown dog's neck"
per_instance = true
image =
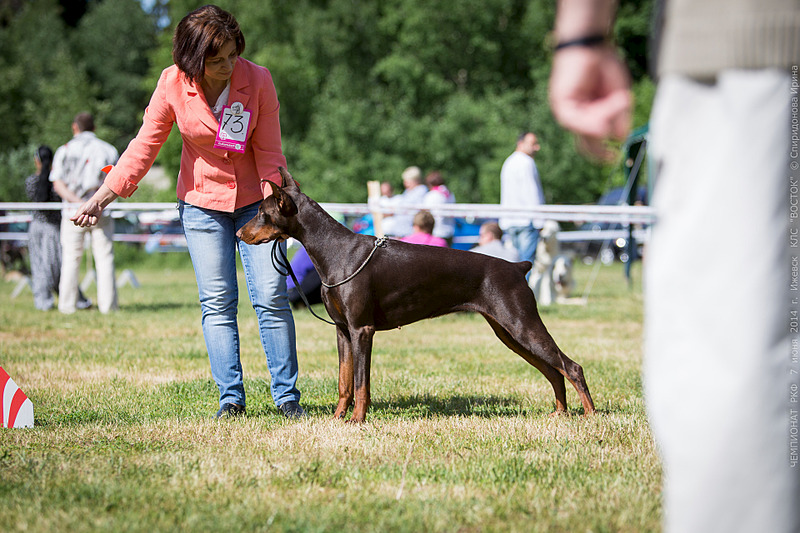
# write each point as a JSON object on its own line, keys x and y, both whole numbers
{"x": 329, "y": 241}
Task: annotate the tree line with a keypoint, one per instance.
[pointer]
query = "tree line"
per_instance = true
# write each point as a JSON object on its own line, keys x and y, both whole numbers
{"x": 367, "y": 88}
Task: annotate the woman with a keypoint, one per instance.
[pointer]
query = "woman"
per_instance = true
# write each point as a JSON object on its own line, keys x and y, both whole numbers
{"x": 44, "y": 245}
{"x": 227, "y": 111}
{"x": 439, "y": 194}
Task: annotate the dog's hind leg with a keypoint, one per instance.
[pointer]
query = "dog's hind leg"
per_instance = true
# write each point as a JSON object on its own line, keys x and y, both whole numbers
{"x": 547, "y": 357}
{"x": 574, "y": 373}
{"x": 345, "y": 348}
{"x": 553, "y": 376}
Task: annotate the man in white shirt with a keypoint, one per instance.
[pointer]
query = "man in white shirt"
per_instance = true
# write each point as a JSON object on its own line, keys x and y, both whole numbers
{"x": 76, "y": 175}
{"x": 520, "y": 187}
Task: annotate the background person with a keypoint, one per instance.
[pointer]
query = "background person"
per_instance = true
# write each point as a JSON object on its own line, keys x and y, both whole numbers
{"x": 439, "y": 194}
{"x": 387, "y": 191}
{"x": 400, "y": 224}
{"x": 308, "y": 278}
{"x": 490, "y": 242}
{"x": 422, "y": 232}
{"x": 44, "y": 244}
{"x": 520, "y": 187}
{"x": 718, "y": 370}
{"x": 77, "y": 174}
{"x": 219, "y": 190}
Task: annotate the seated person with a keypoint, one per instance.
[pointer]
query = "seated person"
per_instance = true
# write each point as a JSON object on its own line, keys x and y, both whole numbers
{"x": 400, "y": 224}
{"x": 308, "y": 278}
{"x": 439, "y": 194}
{"x": 423, "y": 231}
{"x": 490, "y": 242}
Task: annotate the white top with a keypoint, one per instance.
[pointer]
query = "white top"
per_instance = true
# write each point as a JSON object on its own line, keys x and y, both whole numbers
{"x": 444, "y": 227}
{"x": 520, "y": 187}
{"x": 222, "y": 101}
{"x": 79, "y": 163}
{"x": 401, "y": 225}
{"x": 496, "y": 249}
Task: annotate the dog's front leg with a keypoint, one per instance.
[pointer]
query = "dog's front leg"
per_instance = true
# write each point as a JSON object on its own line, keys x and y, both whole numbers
{"x": 345, "y": 372}
{"x": 362, "y": 356}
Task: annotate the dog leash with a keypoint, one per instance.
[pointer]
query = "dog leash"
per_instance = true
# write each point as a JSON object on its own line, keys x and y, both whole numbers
{"x": 283, "y": 262}
{"x": 379, "y": 243}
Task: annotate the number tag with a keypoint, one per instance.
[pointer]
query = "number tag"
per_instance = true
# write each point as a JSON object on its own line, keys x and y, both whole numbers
{"x": 233, "y": 124}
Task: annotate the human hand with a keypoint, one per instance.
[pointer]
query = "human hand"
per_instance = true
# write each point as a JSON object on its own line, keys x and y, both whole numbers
{"x": 590, "y": 95}
{"x": 89, "y": 213}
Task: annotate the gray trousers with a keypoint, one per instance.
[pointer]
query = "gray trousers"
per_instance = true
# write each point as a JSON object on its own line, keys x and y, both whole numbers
{"x": 719, "y": 366}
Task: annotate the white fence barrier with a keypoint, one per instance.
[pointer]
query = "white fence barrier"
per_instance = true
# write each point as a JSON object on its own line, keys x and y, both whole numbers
{"x": 622, "y": 214}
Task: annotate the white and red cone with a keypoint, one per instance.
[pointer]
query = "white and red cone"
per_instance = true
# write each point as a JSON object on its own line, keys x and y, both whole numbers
{"x": 15, "y": 407}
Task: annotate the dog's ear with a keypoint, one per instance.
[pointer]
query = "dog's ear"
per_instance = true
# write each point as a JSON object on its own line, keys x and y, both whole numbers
{"x": 285, "y": 176}
{"x": 287, "y": 179}
{"x": 275, "y": 188}
{"x": 286, "y": 205}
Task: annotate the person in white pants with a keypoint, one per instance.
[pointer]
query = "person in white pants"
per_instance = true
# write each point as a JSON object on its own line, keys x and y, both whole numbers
{"x": 72, "y": 246}
{"x": 76, "y": 175}
{"x": 722, "y": 267}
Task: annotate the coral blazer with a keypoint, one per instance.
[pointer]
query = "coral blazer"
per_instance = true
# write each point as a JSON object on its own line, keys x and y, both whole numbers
{"x": 209, "y": 177}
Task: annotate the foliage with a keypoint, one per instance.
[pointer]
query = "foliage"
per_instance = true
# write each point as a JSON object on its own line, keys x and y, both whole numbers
{"x": 15, "y": 166}
{"x": 366, "y": 89}
{"x": 112, "y": 41}
{"x": 41, "y": 88}
{"x": 52, "y": 71}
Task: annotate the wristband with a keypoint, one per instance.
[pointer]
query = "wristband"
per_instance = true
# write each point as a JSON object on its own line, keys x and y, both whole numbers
{"x": 592, "y": 40}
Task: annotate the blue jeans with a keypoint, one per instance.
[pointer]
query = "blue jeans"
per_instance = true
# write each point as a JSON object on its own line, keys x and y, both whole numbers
{"x": 524, "y": 239}
{"x": 212, "y": 241}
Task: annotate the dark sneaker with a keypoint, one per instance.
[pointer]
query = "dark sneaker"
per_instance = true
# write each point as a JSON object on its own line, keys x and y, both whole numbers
{"x": 230, "y": 410}
{"x": 292, "y": 410}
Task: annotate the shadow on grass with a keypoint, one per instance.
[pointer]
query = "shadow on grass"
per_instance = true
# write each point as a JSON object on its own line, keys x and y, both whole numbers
{"x": 196, "y": 399}
{"x": 427, "y": 406}
{"x": 158, "y": 306}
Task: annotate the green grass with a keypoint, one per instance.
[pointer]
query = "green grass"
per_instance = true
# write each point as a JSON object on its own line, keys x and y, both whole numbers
{"x": 459, "y": 436}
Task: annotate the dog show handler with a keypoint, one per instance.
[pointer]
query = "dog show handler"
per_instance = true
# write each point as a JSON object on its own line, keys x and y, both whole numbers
{"x": 226, "y": 109}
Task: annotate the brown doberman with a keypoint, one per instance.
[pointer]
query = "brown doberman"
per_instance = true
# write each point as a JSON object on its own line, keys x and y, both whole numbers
{"x": 372, "y": 284}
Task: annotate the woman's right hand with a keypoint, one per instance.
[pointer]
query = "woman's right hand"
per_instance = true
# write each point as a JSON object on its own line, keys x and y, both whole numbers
{"x": 89, "y": 213}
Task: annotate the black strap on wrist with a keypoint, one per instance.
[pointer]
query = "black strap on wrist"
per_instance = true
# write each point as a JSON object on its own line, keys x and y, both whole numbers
{"x": 592, "y": 40}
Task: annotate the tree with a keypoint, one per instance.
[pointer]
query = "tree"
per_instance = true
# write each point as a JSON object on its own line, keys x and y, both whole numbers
{"x": 112, "y": 42}
{"x": 366, "y": 88}
{"x": 53, "y": 71}
{"x": 41, "y": 91}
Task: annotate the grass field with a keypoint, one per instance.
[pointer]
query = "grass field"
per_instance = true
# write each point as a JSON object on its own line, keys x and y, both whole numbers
{"x": 458, "y": 437}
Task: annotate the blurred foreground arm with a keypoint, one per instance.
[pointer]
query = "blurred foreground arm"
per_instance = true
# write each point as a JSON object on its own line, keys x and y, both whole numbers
{"x": 589, "y": 84}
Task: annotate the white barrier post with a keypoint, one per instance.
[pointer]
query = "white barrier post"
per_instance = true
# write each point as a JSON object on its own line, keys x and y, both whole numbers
{"x": 374, "y": 196}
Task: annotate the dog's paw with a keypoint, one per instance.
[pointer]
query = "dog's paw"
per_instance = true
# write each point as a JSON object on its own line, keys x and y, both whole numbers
{"x": 357, "y": 419}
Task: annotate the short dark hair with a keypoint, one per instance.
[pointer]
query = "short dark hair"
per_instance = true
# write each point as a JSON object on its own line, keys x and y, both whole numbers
{"x": 494, "y": 229}
{"x": 84, "y": 121}
{"x": 523, "y": 135}
{"x": 200, "y": 35}
{"x": 434, "y": 179}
